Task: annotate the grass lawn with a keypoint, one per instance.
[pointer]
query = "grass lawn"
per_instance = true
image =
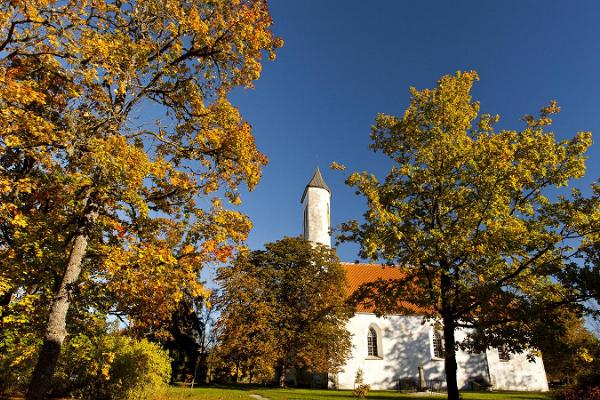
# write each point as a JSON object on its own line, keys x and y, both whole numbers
{"x": 241, "y": 392}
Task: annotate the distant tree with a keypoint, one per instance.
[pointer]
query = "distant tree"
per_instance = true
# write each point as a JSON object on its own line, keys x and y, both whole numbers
{"x": 284, "y": 308}
{"x": 584, "y": 276}
{"x": 464, "y": 209}
{"x": 183, "y": 343}
{"x": 190, "y": 339}
{"x": 94, "y": 193}
{"x": 568, "y": 348}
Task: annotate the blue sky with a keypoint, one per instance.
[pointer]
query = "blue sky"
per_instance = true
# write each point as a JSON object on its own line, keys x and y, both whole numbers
{"x": 345, "y": 61}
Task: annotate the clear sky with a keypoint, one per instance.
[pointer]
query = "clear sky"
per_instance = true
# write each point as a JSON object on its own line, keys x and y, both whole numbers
{"x": 345, "y": 61}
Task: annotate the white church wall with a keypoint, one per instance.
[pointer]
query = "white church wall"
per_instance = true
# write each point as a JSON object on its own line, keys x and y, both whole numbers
{"x": 406, "y": 343}
{"x": 518, "y": 373}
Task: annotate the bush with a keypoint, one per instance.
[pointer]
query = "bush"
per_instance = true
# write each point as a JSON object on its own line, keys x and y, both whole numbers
{"x": 112, "y": 367}
{"x": 104, "y": 367}
{"x": 575, "y": 393}
{"x": 361, "y": 390}
{"x": 587, "y": 388}
{"x": 17, "y": 357}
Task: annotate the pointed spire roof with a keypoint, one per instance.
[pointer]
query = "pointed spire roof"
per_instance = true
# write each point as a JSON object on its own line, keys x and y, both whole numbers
{"x": 316, "y": 181}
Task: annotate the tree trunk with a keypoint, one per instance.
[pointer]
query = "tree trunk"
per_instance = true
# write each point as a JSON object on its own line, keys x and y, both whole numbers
{"x": 57, "y": 319}
{"x": 5, "y": 301}
{"x": 282, "y": 372}
{"x": 450, "y": 359}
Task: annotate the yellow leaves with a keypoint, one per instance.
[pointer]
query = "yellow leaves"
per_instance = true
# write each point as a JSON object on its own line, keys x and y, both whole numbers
{"x": 19, "y": 220}
{"x": 150, "y": 278}
{"x": 159, "y": 167}
{"x": 181, "y": 180}
{"x": 25, "y": 355}
{"x": 197, "y": 24}
{"x": 105, "y": 370}
{"x": 336, "y": 166}
{"x": 10, "y": 213}
{"x": 73, "y": 113}
{"x": 21, "y": 92}
{"x": 584, "y": 355}
{"x": 462, "y": 197}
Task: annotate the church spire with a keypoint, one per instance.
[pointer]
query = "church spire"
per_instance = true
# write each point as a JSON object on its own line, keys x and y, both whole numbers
{"x": 316, "y": 199}
{"x": 317, "y": 181}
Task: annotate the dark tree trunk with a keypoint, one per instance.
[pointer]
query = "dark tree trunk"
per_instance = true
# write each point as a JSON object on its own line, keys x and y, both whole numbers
{"x": 5, "y": 302}
{"x": 450, "y": 359}
{"x": 57, "y": 319}
{"x": 282, "y": 373}
{"x": 5, "y": 298}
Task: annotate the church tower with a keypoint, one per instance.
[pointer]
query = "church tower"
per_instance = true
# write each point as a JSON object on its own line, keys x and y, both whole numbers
{"x": 316, "y": 199}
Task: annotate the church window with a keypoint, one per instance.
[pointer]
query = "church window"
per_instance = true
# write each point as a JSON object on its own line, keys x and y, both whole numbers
{"x": 438, "y": 344}
{"x": 306, "y": 223}
{"x": 372, "y": 343}
{"x": 503, "y": 354}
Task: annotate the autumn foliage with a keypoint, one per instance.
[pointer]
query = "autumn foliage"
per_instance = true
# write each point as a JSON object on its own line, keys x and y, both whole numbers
{"x": 117, "y": 144}
{"x": 283, "y": 310}
{"x": 468, "y": 211}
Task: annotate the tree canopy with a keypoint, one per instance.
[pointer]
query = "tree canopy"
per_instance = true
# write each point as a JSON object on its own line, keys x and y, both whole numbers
{"x": 98, "y": 199}
{"x": 467, "y": 211}
{"x": 284, "y": 308}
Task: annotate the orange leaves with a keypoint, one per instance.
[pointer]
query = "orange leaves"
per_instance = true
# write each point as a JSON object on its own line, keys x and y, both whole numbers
{"x": 149, "y": 280}
{"x": 70, "y": 125}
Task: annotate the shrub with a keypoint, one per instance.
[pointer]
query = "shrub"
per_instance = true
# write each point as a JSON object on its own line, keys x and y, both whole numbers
{"x": 360, "y": 389}
{"x": 587, "y": 388}
{"x": 575, "y": 393}
{"x": 112, "y": 367}
{"x": 17, "y": 356}
{"x": 104, "y": 367}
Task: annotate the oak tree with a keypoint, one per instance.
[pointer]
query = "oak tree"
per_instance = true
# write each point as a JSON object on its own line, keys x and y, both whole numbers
{"x": 117, "y": 142}
{"x": 284, "y": 308}
{"x": 465, "y": 210}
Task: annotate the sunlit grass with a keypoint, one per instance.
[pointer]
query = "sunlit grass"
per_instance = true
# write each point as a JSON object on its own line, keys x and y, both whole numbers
{"x": 244, "y": 392}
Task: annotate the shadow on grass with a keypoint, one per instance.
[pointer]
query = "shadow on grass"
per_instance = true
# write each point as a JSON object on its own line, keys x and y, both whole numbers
{"x": 230, "y": 386}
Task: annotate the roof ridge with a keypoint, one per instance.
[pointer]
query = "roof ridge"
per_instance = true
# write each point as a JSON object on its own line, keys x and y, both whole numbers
{"x": 369, "y": 264}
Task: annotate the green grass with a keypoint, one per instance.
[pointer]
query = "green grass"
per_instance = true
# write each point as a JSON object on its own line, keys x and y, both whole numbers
{"x": 243, "y": 392}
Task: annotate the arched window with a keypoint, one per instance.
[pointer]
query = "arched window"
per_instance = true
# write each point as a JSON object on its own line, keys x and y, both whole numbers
{"x": 372, "y": 343}
{"x": 503, "y": 354}
{"x": 438, "y": 344}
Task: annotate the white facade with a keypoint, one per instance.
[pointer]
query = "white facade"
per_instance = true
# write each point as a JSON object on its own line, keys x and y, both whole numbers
{"x": 405, "y": 343}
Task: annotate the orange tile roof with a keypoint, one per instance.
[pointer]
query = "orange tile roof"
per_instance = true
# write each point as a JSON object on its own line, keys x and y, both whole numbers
{"x": 360, "y": 274}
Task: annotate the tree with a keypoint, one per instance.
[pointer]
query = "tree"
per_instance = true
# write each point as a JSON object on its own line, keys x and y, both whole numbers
{"x": 584, "y": 276}
{"x": 190, "y": 331}
{"x": 93, "y": 195}
{"x": 568, "y": 348}
{"x": 284, "y": 308}
{"x": 465, "y": 211}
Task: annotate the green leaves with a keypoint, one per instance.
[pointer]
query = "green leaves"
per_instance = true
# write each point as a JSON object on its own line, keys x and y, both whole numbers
{"x": 470, "y": 205}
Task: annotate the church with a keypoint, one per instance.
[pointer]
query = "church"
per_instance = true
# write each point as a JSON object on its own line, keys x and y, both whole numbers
{"x": 393, "y": 350}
